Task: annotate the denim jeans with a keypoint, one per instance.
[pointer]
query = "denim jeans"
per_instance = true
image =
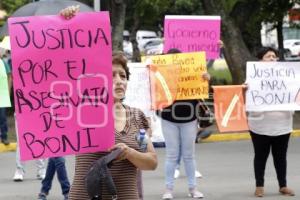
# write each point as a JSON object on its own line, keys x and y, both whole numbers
{"x": 3, "y": 124}
{"x": 56, "y": 164}
{"x": 179, "y": 159}
{"x": 40, "y": 163}
{"x": 179, "y": 137}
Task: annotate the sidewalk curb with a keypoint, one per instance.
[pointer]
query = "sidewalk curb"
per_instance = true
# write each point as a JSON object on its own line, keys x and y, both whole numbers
{"x": 11, "y": 147}
{"x": 215, "y": 137}
{"x": 222, "y": 137}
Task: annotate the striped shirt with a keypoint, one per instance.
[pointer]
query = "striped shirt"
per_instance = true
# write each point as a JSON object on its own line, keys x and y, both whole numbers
{"x": 124, "y": 173}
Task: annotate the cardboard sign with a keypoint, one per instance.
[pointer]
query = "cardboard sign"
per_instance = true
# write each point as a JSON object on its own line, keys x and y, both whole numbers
{"x": 229, "y": 108}
{"x": 273, "y": 86}
{"x": 190, "y": 84}
{"x": 193, "y": 33}
{"x": 138, "y": 88}
{"x": 164, "y": 85}
{"x": 63, "y": 84}
{"x": 4, "y": 90}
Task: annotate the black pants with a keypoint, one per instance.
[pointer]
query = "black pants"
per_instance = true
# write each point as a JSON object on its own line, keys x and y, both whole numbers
{"x": 262, "y": 146}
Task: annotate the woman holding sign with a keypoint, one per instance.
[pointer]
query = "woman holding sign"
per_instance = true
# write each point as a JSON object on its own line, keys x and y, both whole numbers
{"x": 128, "y": 123}
{"x": 179, "y": 127}
{"x": 270, "y": 131}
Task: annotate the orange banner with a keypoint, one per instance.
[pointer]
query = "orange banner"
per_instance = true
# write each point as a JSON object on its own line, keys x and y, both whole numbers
{"x": 191, "y": 85}
{"x": 229, "y": 108}
{"x": 164, "y": 81}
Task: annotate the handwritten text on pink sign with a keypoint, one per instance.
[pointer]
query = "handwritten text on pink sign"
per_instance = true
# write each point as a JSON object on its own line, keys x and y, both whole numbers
{"x": 63, "y": 83}
{"x": 193, "y": 33}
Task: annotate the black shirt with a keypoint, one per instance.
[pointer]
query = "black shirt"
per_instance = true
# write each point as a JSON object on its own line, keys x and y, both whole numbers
{"x": 182, "y": 111}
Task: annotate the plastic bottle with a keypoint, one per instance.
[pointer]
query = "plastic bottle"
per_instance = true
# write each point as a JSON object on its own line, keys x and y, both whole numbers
{"x": 142, "y": 139}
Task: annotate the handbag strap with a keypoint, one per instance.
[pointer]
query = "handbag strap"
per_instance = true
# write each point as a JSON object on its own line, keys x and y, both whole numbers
{"x": 203, "y": 105}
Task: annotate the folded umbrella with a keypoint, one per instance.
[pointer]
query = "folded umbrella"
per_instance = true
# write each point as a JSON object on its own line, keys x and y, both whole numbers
{"x": 49, "y": 7}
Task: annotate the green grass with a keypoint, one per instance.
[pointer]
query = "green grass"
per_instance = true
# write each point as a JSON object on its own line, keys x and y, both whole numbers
{"x": 220, "y": 76}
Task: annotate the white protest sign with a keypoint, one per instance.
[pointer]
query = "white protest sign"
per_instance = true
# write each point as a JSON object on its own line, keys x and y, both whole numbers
{"x": 138, "y": 88}
{"x": 273, "y": 86}
{"x": 138, "y": 95}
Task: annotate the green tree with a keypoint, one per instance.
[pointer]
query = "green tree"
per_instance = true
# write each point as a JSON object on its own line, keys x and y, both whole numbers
{"x": 273, "y": 11}
{"x": 236, "y": 51}
{"x": 10, "y": 6}
{"x": 117, "y": 16}
{"x": 241, "y": 24}
{"x": 149, "y": 15}
{"x": 144, "y": 14}
{"x": 246, "y": 16}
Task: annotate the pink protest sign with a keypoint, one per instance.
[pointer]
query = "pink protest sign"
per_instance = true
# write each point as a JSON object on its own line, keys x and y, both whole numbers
{"x": 62, "y": 84}
{"x": 193, "y": 33}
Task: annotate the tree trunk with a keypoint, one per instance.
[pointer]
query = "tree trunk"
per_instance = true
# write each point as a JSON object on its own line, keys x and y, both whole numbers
{"x": 236, "y": 52}
{"x": 117, "y": 16}
{"x": 280, "y": 39}
{"x": 136, "y": 54}
{"x": 247, "y": 11}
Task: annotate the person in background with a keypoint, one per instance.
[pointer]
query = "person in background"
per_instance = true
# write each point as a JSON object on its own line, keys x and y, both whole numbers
{"x": 270, "y": 130}
{"x": 203, "y": 133}
{"x": 3, "y": 118}
{"x": 20, "y": 170}
{"x": 56, "y": 164}
{"x": 177, "y": 170}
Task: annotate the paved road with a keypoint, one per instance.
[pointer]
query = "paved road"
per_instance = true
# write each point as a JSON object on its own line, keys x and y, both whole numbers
{"x": 226, "y": 167}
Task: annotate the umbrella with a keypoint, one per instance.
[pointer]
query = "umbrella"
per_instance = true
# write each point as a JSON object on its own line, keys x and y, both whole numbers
{"x": 48, "y": 7}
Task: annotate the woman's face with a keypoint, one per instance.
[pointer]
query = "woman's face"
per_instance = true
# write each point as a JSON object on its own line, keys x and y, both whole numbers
{"x": 119, "y": 82}
{"x": 270, "y": 56}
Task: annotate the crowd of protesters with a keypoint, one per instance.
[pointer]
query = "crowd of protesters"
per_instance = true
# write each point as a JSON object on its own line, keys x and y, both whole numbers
{"x": 270, "y": 133}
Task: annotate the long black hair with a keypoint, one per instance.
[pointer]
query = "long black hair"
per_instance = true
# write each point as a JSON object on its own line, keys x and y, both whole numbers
{"x": 173, "y": 50}
{"x": 262, "y": 51}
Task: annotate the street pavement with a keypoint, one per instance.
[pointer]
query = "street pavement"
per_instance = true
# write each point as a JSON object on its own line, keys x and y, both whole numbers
{"x": 226, "y": 167}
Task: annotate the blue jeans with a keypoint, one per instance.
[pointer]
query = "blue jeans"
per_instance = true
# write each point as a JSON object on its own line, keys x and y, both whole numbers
{"x": 3, "y": 124}
{"x": 56, "y": 164}
{"x": 180, "y": 137}
{"x": 179, "y": 159}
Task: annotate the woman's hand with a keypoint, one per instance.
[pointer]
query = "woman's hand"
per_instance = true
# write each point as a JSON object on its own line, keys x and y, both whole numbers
{"x": 125, "y": 151}
{"x": 69, "y": 12}
{"x": 220, "y": 44}
{"x": 142, "y": 160}
{"x": 245, "y": 87}
{"x": 206, "y": 76}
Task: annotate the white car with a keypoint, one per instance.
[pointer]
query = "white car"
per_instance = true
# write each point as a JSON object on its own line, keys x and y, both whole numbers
{"x": 154, "y": 47}
{"x": 293, "y": 46}
{"x": 144, "y": 36}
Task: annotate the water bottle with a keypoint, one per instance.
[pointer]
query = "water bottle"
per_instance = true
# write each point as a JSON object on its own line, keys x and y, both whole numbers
{"x": 142, "y": 139}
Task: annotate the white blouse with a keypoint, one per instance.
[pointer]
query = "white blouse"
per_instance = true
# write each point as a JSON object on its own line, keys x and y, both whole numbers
{"x": 271, "y": 123}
